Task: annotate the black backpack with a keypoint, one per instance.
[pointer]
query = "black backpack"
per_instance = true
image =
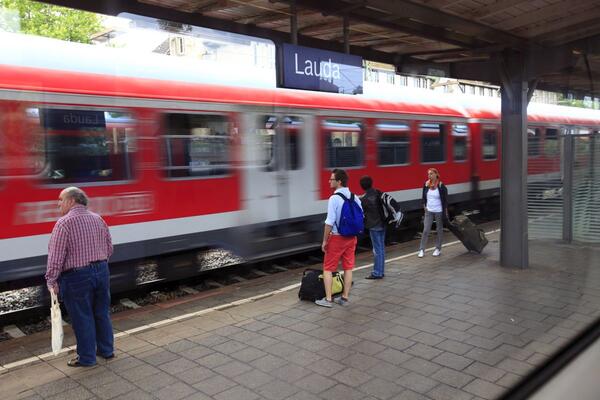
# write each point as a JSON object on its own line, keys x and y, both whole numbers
{"x": 312, "y": 287}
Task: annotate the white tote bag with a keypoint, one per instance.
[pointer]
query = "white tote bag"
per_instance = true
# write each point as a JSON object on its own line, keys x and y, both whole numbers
{"x": 57, "y": 326}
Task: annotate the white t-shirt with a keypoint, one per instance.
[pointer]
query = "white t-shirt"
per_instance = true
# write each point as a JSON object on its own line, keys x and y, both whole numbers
{"x": 434, "y": 202}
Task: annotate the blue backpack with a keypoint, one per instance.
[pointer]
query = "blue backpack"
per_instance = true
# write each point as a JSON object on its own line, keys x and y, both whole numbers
{"x": 351, "y": 218}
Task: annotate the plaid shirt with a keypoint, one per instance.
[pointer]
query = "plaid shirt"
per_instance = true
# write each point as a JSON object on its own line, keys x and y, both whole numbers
{"x": 78, "y": 238}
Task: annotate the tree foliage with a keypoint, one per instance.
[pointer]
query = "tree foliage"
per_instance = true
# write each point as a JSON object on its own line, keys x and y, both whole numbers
{"x": 47, "y": 20}
{"x": 585, "y": 103}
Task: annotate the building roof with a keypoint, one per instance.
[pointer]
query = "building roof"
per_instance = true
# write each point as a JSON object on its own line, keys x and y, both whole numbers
{"x": 465, "y": 39}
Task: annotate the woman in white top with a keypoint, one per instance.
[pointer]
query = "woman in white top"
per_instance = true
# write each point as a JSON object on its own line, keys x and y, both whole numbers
{"x": 435, "y": 204}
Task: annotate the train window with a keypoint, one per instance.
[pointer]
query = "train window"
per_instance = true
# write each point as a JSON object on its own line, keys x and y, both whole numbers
{"x": 551, "y": 142}
{"x": 533, "y": 142}
{"x": 267, "y": 141}
{"x": 460, "y": 134}
{"x": 344, "y": 143}
{"x": 82, "y": 145}
{"x": 292, "y": 133}
{"x": 196, "y": 145}
{"x": 433, "y": 142}
{"x": 393, "y": 147}
{"x": 582, "y": 141}
{"x": 490, "y": 144}
{"x": 264, "y": 143}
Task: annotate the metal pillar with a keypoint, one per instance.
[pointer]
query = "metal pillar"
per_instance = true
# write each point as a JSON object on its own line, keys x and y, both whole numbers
{"x": 514, "y": 251}
{"x": 567, "y": 186}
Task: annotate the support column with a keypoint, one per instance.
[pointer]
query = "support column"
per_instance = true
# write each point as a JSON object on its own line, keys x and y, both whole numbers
{"x": 567, "y": 190}
{"x": 514, "y": 250}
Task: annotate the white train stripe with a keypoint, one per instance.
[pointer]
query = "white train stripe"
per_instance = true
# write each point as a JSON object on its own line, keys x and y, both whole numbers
{"x": 32, "y": 246}
{"x": 37, "y": 245}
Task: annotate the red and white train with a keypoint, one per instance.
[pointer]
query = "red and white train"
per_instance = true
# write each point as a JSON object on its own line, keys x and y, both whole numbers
{"x": 175, "y": 165}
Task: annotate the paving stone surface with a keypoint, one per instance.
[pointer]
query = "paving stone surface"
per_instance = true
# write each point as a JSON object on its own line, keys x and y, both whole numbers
{"x": 452, "y": 327}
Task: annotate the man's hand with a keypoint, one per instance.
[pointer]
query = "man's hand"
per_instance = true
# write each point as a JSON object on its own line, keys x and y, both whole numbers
{"x": 53, "y": 289}
{"x": 326, "y": 235}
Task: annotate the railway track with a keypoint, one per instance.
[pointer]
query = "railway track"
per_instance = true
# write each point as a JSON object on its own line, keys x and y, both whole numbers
{"x": 25, "y": 320}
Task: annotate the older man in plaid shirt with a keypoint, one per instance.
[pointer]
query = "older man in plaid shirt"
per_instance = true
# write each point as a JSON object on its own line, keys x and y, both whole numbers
{"x": 78, "y": 252}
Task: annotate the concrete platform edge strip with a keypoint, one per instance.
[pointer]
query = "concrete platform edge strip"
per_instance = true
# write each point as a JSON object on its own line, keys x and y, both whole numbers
{"x": 43, "y": 357}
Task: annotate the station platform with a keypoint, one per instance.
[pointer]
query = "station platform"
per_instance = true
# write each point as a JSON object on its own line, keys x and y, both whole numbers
{"x": 457, "y": 326}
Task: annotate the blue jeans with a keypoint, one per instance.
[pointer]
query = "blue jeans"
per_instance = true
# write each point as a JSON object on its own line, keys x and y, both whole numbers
{"x": 86, "y": 294}
{"x": 378, "y": 241}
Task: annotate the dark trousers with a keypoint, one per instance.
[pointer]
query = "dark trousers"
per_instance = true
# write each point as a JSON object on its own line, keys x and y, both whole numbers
{"x": 86, "y": 295}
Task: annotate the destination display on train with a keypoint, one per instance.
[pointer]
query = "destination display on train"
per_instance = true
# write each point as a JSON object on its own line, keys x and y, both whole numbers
{"x": 62, "y": 119}
{"x": 321, "y": 70}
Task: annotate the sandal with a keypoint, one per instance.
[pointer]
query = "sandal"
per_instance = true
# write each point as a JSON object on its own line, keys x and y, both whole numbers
{"x": 74, "y": 362}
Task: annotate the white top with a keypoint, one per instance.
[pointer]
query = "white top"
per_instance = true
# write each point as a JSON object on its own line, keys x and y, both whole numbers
{"x": 334, "y": 208}
{"x": 434, "y": 202}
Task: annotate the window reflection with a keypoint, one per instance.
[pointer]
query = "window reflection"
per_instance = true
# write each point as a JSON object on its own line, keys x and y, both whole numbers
{"x": 81, "y": 145}
{"x": 393, "y": 147}
{"x": 268, "y": 144}
{"x": 534, "y": 142}
{"x": 460, "y": 134}
{"x": 196, "y": 145}
{"x": 343, "y": 143}
{"x": 433, "y": 144}
{"x": 551, "y": 142}
{"x": 490, "y": 144}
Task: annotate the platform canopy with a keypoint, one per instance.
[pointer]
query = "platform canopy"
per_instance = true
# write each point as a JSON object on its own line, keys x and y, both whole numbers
{"x": 463, "y": 39}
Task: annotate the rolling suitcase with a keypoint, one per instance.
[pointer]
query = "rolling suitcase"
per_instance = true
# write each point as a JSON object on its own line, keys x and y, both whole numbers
{"x": 472, "y": 238}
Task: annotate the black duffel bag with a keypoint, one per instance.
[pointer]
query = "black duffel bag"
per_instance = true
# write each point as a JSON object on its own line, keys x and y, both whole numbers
{"x": 312, "y": 287}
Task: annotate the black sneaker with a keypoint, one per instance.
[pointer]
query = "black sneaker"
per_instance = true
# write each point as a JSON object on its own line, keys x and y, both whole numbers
{"x": 106, "y": 357}
{"x": 373, "y": 277}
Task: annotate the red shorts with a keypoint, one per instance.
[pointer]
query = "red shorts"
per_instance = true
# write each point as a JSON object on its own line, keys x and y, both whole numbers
{"x": 339, "y": 247}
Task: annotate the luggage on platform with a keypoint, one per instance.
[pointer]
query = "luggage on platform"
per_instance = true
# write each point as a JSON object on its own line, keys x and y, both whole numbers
{"x": 312, "y": 287}
{"x": 472, "y": 238}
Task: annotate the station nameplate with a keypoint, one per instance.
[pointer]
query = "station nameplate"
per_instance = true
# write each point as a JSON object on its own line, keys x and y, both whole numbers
{"x": 321, "y": 70}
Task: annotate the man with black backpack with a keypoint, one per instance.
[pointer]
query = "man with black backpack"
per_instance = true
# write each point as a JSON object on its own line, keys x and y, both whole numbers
{"x": 372, "y": 207}
{"x": 379, "y": 209}
{"x": 343, "y": 224}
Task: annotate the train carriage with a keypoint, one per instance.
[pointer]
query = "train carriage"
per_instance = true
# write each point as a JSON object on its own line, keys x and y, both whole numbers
{"x": 177, "y": 166}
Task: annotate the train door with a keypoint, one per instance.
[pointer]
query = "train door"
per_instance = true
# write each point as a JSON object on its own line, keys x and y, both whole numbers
{"x": 275, "y": 167}
{"x": 490, "y": 157}
{"x": 458, "y": 156}
{"x": 5, "y": 166}
{"x": 297, "y": 172}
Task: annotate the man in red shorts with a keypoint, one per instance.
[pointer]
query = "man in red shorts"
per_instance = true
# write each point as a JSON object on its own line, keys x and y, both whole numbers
{"x": 335, "y": 246}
